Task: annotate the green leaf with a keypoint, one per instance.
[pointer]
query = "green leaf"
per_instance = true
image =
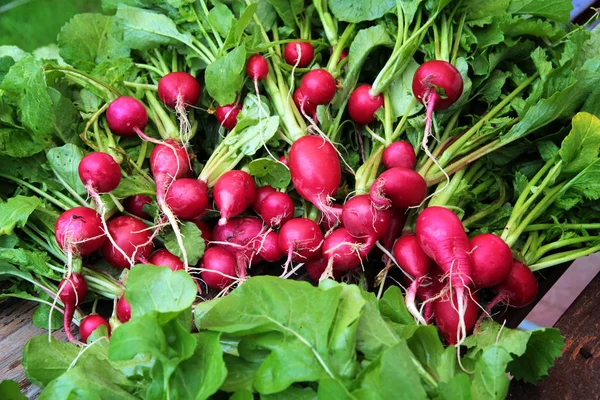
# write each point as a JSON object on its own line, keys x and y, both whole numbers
{"x": 64, "y": 161}
{"x": 15, "y": 212}
{"x": 151, "y": 288}
{"x": 263, "y": 304}
{"x": 224, "y": 78}
{"x": 352, "y": 11}
{"x": 192, "y": 242}
{"x": 581, "y": 146}
{"x": 401, "y": 95}
{"x": 255, "y": 136}
{"x": 144, "y": 29}
{"x": 458, "y": 388}
{"x": 221, "y": 18}
{"x": 288, "y": 10}
{"x": 271, "y": 172}
{"x": 66, "y": 118}
{"x": 292, "y": 393}
{"x": 28, "y": 260}
{"x": 489, "y": 381}
{"x": 240, "y": 373}
{"x": 392, "y": 306}
{"x": 134, "y": 184}
{"x": 482, "y": 11}
{"x": 557, "y": 10}
{"x": 88, "y": 39}
{"x": 9, "y": 390}
{"x": 41, "y": 315}
{"x": 427, "y": 347}
{"x": 374, "y": 334}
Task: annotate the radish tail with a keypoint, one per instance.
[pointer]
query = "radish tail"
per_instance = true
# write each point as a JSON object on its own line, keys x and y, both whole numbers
{"x": 67, "y": 319}
{"x": 411, "y": 294}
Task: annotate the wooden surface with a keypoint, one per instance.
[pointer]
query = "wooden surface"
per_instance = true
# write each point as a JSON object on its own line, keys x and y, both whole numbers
{"x": 573, "y": 376}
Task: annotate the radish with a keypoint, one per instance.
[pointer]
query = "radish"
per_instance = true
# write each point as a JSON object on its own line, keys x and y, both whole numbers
{"x": 179, "y": 90}
{"x": 269, "y": 247}
{"x": 132, "y": 242}
{"x": 187, "y": 198}
{"x": 100, "y": 172}
{"x": 315, "y": 171}
{"x": 126, "y": 116}
{"x": 449, "y": 321}
{"x": 276, "y": 209}
{"x": 78, "y": 231}
{"x": 71, "y": 291}
{"x": 429, "y": 287}
{"x": 260, "y": 195}
{"x": 298, "y": 54}
{"x": 242, "y": 238}
{"x": 491, "y": 260}
{"x": 135, "y": 205}
{"x": 442, "y": 237}
{"x": 343, "y": 252}
{"x": 257, "y": 67}
{"x": 227, "y": 115}
{"x": 363, "y": 220}
{"x": 519, "y": 288}
{"x": 284, "y": 160}
{"x": 164, "y": 258}
{"x": 362, "y": 105}
{"x": 316, "y": 267}
{"x": 301, "y": 240}
{"x": 205, "y": 229}
{"x": 331, "y": 221}
{"x": 123, "y": 309}
{"x": 399, "y": 155}
{"x": 218, "y": 268}
{"x": 397, "y": 220}
{"x": 302, "y": 103}
{"x": 318, "y": 86}
{"x": 233, "y": 193}
{"x": 398, "y": 187}
{"x": 89, "y": 324}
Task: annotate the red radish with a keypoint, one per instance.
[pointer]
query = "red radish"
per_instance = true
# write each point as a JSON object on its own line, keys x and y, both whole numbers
{"x": 135, "y": 205}
{"x": 302, "y": 103}
{"x": 222, "y": 263}
{"x": 257, "y": 67}
{"x": 233, "y": 193}
{"x": 519, "y": 288}
{"x": 89, "y": 324}
{"x": 344, "y": 54}
{"x": 362, "y": 105}
{"x": 283, "y": 160}
{"x": 318, "y": 86}
{"x": 168, "y": 161}
{"x": 260, "y": 195}
{"x": 449, "y": 321}
{"x": 399, "y": 155}
{"x": 227, "y": 115}
{"x": 411, "y": 257}
{"x": 397, "y": 220}
{"x": 123, "y": 309}
{"x": 188, "y": 198}
{"x": 343, "y": 251}
{"x": 491, "y": 260}
{"x": 363, "y": 220}
{"x": 205, "y": 229}
{"x": 100, "y": 171}
{"x": 315, "y": 170}
{"x": 126, "y": 116}
{"x": 329, "y": 221}
{"x": 164, "y": 258}
{"x": 269, "y": 247}
{"x": 300, "y": 239}
{"x": 179, "y": 89}
{"x": 398, "y": 187}
{"x": 78, "y": 231}
{"x": 442, "y": 237}
{"x": 132, "y": 240}
{"x": 429, "y": 287}
{"x": 276, "y": 209}
{"x": 298, "y": 54}
{"x": 242, "y": 238}
{"x": 316, "y": 267}
{"x": 71, "y": 292}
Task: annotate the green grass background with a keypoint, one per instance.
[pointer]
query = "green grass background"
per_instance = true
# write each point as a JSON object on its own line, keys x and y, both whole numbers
{"x": 30, "y": 24}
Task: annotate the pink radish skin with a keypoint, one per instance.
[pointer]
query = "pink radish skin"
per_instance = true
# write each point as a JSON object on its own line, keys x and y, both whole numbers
{"x": 318, "y": 86}
{"x": 315, "y": 170}
{"x": 245, "y": 235}
{"x": 398, "y": 187}
{"x": 123, "y": 309}
{"x": 283, "y": 160}
{"x": 363, "y": 220}
{"x": 205, "y": 229}
{"x": 330, "y": 221}
{"x": 343, "y": 251}
{"x": 397, "y": 221}
{"x": 179, "y": 88}
{"x": 428, "y": 288}
{"x": 260, "y": 195}
{"x": 269, "y": 247}
{"x": 227, "y": 115}
{"x": 303, "y": 104}
{"x": 257, "y": 67}
{"x": 135, "y": 205}
{"x": 399, "y": 155}
{"x": 491, "y": 260}
{"x": 437, "y": 74}
{"x": 126, "y": 115}
{"x": 316, "y": 267}
{"x": 276, "y": 209}
{"x": 411, "y": 257}
{"x": 132, "y": 236}
{"x": 168, "y": 161}
{"x": 188, "y": 198}
{"x": 300, "y": 239}
{"x": 89, "y": 324}
{"x": 72, "y": 292}
{"x": 233, "y": 193}
{"x": 519, "y": 288}
{"x": 362, "y": 105}
{"x": 447, "y": 318}
{"x": 299, "y": 54}
{"x": 164, "y": 258}
{"x": 219, "y": 260}
{"x": 100, "y": 171}
{"x": 79, "y": 231}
